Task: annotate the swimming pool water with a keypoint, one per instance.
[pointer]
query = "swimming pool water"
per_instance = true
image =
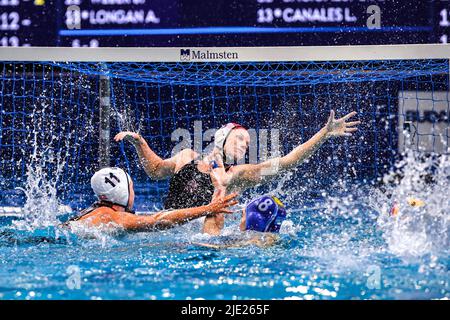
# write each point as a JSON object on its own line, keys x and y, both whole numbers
{"x": 321, "y": 254}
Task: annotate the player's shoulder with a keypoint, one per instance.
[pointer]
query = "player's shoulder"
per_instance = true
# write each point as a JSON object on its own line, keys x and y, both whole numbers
{"x": 184, "y": 157}
{"x": 104, "y": 210}
{"x": 191, "y": 154}
{"x": 101, "y": 211}
{"x": 187, "y": 153}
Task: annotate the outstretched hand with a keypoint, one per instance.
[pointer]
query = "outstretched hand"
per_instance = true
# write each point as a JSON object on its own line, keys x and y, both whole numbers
{"x": 339, "y": 127}
{"x": 132, "y": 137}
{"x": 221, "y": 204}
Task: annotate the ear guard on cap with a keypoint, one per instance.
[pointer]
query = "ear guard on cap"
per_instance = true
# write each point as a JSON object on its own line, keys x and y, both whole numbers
{"x": 265, "y": 214}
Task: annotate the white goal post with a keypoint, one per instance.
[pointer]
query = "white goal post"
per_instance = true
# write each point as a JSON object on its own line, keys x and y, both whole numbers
{"x": 228, "y": 54}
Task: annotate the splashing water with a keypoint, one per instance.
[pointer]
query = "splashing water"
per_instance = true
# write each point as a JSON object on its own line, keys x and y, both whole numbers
{"x": 42, "y": 206}
{"x": 125, "y": 120}
{"x": 420, "y": 230}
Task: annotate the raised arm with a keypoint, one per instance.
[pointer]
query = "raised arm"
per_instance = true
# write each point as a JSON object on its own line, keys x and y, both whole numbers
{"x": 333, "y": 128}
{"x": 155, "y": 167}
{"x": 168, "y": 219}
{"x": 252, "y": 174}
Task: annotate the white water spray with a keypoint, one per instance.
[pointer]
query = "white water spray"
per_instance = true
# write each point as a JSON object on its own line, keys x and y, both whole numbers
{"x": 416, "y": 230}
{"x": 42, "y": 206}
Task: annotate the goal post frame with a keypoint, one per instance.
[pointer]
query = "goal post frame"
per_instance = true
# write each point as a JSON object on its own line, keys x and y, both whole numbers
{"x": 220, "y": 55}
{"x": 243, "y": 54}
{"x": 104, "y": 121}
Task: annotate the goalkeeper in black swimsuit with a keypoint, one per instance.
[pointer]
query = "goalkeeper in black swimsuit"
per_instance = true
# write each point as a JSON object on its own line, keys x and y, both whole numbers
{"x": 195, "y": 181}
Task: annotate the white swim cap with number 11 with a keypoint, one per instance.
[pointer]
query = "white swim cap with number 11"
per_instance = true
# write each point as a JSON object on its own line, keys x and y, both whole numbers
{"x": 112, "y": 184}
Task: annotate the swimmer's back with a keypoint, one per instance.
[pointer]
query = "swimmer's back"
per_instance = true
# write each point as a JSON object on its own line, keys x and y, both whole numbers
{"x": 101, "y": 213}
{"x": 96, "y": 215}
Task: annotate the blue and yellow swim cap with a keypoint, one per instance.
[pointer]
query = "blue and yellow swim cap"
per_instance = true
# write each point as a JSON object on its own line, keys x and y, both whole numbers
{"x": 265, "y": 214}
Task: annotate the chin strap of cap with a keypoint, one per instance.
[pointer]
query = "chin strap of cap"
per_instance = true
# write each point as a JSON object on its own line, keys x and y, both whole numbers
{"x": 127, "y": 209}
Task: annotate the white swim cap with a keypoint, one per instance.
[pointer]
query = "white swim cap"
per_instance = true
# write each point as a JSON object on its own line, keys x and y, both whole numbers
{"x": 112, "y": 184}
{"x": 222, "y": 134}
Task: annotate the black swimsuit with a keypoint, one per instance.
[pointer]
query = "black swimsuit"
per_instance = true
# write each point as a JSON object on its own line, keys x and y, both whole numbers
{"x": 189, "y": 188}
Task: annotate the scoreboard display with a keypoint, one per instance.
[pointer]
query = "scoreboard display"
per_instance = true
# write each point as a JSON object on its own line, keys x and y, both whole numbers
{"x": 156, "y": 23}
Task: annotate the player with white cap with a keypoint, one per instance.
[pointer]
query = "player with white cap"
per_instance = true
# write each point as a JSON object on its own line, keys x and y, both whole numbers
{"x": 114, "y": 190}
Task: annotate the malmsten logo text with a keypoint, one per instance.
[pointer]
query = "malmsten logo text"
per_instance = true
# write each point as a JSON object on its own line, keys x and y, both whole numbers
{"x": 188, "y": 54}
